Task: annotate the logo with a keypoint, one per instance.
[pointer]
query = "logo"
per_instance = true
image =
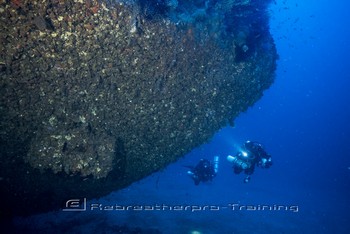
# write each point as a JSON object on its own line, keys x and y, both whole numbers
{"x": 75, "y": 205}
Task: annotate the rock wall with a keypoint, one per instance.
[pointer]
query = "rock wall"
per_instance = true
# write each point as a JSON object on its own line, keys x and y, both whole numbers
{"x": 95, "y": 95}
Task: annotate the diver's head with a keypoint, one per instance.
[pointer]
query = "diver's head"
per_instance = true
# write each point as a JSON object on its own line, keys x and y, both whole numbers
{"x": 206, "y": 164}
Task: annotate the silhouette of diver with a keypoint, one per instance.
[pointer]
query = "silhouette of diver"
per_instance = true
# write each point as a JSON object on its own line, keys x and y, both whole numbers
{"x": 251, "y": 155}
{"x": 204, "y": 171}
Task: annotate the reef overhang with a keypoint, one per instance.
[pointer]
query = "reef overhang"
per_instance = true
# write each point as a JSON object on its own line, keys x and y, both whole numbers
{"x": 96, "y": 95}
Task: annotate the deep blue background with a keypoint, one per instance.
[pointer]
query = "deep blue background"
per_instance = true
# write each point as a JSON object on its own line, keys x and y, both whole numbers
{"x": 303, "y": 120}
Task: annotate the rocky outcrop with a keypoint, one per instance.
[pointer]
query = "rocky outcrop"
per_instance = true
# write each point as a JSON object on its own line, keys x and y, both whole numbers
{"x": 95, "y": 96}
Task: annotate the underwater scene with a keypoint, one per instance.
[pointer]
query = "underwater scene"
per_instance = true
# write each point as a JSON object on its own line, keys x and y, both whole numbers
{"x": 174, "y": 116}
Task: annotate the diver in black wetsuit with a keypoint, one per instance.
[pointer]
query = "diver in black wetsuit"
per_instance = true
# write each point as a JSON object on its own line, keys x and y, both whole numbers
{"x": 252, "y": 154}
{"x": 204, "y": 171}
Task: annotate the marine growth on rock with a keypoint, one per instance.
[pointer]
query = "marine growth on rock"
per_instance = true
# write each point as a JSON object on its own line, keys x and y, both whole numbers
{"x": 98, "y": 94}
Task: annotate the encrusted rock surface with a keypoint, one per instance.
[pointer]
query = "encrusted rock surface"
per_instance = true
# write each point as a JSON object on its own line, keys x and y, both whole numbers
{"x": 94, "y": 96}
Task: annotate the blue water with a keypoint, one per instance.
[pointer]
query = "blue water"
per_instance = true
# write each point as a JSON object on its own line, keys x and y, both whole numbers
{"x": 303, "y": 121}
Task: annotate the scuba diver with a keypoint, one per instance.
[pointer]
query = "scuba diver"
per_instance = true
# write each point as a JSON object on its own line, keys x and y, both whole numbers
{"x": 252, "y": 154}
{"x": 204, "y": 171}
